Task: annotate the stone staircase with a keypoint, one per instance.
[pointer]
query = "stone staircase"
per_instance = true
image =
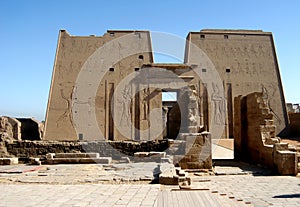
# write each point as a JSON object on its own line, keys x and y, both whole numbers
{"x": 76, "y": 158}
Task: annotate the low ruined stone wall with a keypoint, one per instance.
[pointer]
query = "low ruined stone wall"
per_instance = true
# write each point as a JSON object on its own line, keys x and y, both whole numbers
{"x": 114, "y": 149}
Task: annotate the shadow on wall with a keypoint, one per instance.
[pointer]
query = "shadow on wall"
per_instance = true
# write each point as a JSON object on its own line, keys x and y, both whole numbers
{"x": 294, "y": 124}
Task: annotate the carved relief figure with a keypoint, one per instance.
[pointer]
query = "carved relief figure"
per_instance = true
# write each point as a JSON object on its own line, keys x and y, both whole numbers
{"x": 125, "y": 101}
{"x": 145, "y": 98}
{"x": 67, "y": 115}
{"x": 218, "y": 106}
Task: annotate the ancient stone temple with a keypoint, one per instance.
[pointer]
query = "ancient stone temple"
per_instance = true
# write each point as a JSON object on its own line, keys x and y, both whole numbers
{"x": 109, "y": 88}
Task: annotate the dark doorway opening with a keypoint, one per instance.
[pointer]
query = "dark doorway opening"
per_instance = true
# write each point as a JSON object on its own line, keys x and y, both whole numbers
{"x": 172, "y": 115}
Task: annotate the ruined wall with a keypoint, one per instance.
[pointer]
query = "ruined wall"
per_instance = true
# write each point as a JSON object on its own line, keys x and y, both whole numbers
{"x": 255, "y": 138}
{"x": 114, "y": 149}
{"x": 246, "y": 62}
{"x": 94, "y": 64}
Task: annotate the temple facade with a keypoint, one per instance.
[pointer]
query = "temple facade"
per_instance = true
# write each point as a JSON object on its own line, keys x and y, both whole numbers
{"x": 109, "y": 88}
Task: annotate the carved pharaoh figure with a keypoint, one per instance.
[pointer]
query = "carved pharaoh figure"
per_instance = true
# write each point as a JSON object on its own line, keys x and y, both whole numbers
{"x": 125, "y": 101}
{"x": 145, "y": 97}
{"x": 218, "y": 106}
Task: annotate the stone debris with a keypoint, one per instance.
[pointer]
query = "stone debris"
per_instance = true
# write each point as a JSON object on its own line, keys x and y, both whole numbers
{"x": 174, "y": 176}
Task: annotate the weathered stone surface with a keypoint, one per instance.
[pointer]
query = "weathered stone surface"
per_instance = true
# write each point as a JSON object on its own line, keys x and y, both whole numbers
{"x": 113, "y": 149}
{"x": 175, "y": 176}
{"x": 255, "y": 137}
{"x": 9, "y": 161}
{"x": 196, "y": 152}
{"x": 141, "y": 154}
{"x": 34, "y": 161}
{"x": 16, "y": 127}
{"x": 124, "y": 160}
{"x": 76, "y": 155}
{"x": 285, "y": 162}
{"x": 6, "y": 129}
{"x": 77, "y": 158}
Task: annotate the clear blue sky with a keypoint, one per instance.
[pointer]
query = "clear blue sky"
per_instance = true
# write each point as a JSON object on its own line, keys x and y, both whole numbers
{"x": 29, "y": 32}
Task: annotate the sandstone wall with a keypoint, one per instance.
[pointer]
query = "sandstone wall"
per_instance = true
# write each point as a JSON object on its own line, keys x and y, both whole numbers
{"x": 255, "y": 137}
{"x": 86, "y": 74}
{"x": 246, "y": 62}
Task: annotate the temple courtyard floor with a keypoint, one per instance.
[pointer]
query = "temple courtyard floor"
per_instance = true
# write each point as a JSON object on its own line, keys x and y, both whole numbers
{"x": 131, "y": 184}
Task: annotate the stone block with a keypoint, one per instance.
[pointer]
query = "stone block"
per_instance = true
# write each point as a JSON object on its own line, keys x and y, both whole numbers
{"x": 286, "y": 162}
{"x": 168, "y": 179}
{"x": 50, "y": 155}
{"x": 9, "y": 161}
{"x": 76, "y": 155}
{"x": 103, "y": 160}
{"x": 124, "y": 160}
{"x": 157, "y": 154}
{"x": 141, "y": 154}
{"x": 281, "y": 146}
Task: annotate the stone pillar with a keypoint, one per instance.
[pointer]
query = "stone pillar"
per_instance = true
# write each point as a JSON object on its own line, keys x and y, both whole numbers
{"x": 189, "y": 107}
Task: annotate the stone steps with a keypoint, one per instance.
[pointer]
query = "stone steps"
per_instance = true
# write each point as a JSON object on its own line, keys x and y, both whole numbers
{"x": 100, "y": 160}
{"x": 72, "y": 155}
{"x": 76, "y": 158}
